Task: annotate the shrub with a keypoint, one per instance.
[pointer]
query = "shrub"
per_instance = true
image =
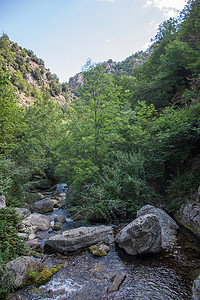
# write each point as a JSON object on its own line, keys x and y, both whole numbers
{"x": 10, "y": 245}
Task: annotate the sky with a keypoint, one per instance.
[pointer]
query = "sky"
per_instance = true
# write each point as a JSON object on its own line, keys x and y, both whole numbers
{"x": 65, "y": 33}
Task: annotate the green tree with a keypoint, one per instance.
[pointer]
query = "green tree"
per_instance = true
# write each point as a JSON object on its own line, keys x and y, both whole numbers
{"x": 11, "y": 118}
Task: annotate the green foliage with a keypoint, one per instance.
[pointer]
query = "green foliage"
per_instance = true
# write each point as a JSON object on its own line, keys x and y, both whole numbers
{"x": 6, "y": 282}
{"x": 174, "y": 139}
{"x": 118, "y": 192}
{"x": 124, "y": 141}
{"x": 11, "y": 119}
{"x": 10, "y": 245}
{"x": 34, "y": 153}
{"x": 37, "y": 75}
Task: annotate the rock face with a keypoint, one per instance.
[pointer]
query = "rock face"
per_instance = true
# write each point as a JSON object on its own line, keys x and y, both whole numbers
{"x": 2, "y": 201}
{"x": 189, "y": 213}
{"x": 24, "y": 268}
{"x": 43, "y": 206}
{"x": 141, "y": 236}
{"x": 78, "y": 238}
{"x": 189, "y": 216}
{"x": 196, "y": 289}
{"x": 168, "y": 225}
{"x": 38, "y": 221}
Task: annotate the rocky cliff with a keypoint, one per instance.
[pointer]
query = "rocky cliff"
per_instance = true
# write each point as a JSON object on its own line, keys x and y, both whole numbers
{"x": 28, "y": 74}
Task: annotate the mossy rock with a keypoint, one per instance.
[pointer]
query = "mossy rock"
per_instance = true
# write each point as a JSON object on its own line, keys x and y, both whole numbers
{"x": 41, "y": 276}
{"x": 99, "y": 250}
{"x": 57, "y": 227}
{"x": 27, "y": 270}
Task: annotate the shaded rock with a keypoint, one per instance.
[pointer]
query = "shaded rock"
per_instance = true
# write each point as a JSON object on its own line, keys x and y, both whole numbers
{"x": 117, "y": 280}
{"x": 189, "y": 215}
{"x": 78, "y": 238}
{"x": 33, "y": 244}
{"x": 44, "y": 184}
{"x": 43, "y": 206}
{"x": 196, "y": 289}
{"x": 99, "y": 249}
{"x": 57, "y": 226}
{"x": 141, "y": 236}
{"x": 40, "y": 222}
{"x": 168, "y": 225}
{"x": 2, "y": 201}
{"x": 60, "y": 219}
{"x": 22, "y": 212}
{"x": 26, "y": 270}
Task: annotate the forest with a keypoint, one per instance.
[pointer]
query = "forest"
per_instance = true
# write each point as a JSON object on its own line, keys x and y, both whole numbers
{"x": 129, "y": 137}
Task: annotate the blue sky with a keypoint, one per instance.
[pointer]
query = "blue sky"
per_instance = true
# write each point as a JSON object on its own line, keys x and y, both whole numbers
{"x": 65, "y": 33}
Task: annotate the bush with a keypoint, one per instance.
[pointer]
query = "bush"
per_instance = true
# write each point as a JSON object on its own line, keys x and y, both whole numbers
{"x": 6, "y": 283}
{"x": 10, "y": 245}
{"x": 120, "y": 190}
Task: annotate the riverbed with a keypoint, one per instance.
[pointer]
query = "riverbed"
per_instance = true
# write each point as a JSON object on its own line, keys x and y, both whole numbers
{"x": 167, "y": 275}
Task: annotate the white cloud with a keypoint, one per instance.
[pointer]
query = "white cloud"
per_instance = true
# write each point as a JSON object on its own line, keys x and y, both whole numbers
{"x": 168, "y": 7}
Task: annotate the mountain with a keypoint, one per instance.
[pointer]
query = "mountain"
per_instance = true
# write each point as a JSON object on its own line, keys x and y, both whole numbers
{"x": 116, "y": 68}
{"x": 28, "y": 74}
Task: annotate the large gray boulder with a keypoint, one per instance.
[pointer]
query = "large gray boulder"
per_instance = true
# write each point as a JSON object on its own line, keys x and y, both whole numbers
{"x": 168, "y": 225}
{"x": 26, "y": 270}
{"x": 2, "y": 201}
{"x": 37, "y": 221}
{"x": 43, "y": 206}
{"x": 78, "y": 238}
{"x": 141, "y": 236}
{"x": 196, "y": 289}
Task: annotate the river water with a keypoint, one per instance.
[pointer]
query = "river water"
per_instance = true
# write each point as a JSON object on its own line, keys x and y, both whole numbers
{"x": 164, "y": 276}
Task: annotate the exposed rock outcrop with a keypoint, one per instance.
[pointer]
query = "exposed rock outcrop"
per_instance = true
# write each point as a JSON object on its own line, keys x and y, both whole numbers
{"x": 79, "y": 238}
{"x": 189, "y": 213}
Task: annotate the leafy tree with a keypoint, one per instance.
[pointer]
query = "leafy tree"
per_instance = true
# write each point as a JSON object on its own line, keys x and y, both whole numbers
{"x": 11, "y": 119}
{"x": 42, "y": 121}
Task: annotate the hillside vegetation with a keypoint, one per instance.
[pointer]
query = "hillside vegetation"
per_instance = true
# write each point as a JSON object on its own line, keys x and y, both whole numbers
{"x": 131, "y": 135}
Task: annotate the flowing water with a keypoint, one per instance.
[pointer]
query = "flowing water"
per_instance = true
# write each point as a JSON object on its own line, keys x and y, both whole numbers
{"x": 163, "y": 276}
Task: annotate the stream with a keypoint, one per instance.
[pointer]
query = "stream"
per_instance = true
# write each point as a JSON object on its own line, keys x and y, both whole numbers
{"x": 167, "y": 275}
